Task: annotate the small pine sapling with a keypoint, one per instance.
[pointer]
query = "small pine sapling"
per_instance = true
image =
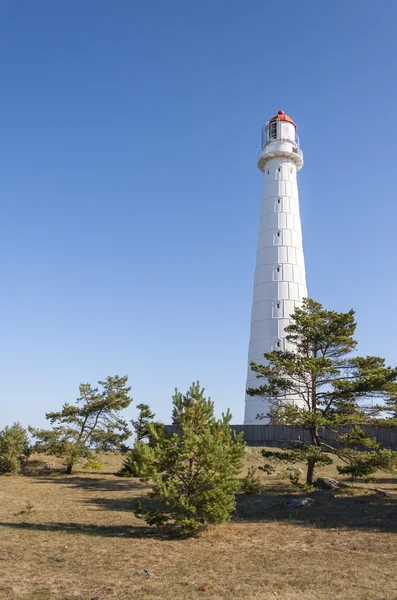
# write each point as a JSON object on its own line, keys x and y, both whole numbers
{"x": 143, "y": 426}
{"x": 14, "y": 449}
{"x": 251, "y": 484}
{"x": 194, "y": 471}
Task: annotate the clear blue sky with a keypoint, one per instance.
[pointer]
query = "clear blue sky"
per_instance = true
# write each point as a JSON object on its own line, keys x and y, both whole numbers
{"x": 130, "y": 194}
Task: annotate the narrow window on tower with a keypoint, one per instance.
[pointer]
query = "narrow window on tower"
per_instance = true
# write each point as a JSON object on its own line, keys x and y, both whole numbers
{"x": 277, "y": 344}
{"x": 277, "y": 272}
{"x": 276, "y": 312}
{"x": 278, "y": 234}
{"x": 273, "y": 130}
{"x": 279, "y": 169}
{"x": 279, "y": 201}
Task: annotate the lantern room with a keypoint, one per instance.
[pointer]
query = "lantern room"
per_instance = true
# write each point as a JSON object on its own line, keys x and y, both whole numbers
{"x": 280, "y": 127}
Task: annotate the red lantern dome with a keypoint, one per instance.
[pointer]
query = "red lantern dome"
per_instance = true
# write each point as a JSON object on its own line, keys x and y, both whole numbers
{"x": 281, "y": 116}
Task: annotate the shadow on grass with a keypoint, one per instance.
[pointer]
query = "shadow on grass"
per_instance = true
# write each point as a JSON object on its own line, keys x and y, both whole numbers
{"x": 118, "y": 504}
{"x": 366, "y": 511}
{"x": 111, "y": 531}
{"x": 380, "y": 480}
{"x": 361, "y": 512}
{"x": 94, "y": 484}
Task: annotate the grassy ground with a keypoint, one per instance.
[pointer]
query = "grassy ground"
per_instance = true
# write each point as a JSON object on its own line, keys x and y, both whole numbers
{"x": 75, "y": 537}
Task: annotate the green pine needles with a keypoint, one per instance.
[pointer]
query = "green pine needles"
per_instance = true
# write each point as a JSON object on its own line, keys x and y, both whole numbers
{"x": 142, "y": 426}
{"x": 14, "y": 449}
{"x": 93, "y": 422}
{"x": 194, "y": 471}
{"x": 333, "y": 388}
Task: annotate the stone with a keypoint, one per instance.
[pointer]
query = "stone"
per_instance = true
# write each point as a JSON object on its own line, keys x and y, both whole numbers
{"x": 380, "y": 492}
{"x": 299, "y": 502}
{"x": 295, "y": 470}
{"x": 326, "y": 483}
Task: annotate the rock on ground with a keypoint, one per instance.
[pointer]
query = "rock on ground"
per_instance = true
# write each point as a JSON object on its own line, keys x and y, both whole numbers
{"x": 299, "y": 502}
{"x": 295, "y": 470}
{"x": 326, "y": 483}
{"x": 381, "y": 492}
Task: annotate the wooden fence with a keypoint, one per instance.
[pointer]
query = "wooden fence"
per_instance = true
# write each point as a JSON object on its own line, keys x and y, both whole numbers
{"x": 280, "y": 436}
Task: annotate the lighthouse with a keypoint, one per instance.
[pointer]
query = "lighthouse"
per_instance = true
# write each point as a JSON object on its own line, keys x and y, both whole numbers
{"x": 280, "y": 278}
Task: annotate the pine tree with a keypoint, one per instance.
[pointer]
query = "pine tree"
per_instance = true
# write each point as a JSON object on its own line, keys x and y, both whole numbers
{"x": 194, "y": 471}
{"x": 14, "y": 449}
{"x": 142, "y": 425}
{"x": 94, "y": 422}
{"x": 332, "y": 386}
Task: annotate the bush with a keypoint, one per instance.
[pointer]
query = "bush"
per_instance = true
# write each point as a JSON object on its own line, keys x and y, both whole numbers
{"x": 145, "y": 428}
{"x": 92, "y": 464}
{"x": 251, "y": 484}
{"x": 14, "y": 449}
{"x": 365, "y": 464}
{"x": 128, "y": 466}
{"x": 133, "y": 465}
{"x": 195, "y": 470}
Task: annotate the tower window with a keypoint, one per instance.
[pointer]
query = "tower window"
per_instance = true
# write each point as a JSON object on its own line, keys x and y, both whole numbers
{"x": 278, "y": 269}
{"x": 278, "y": 344}
{"x": 273, "y": 130}
{"x": 279, "y": 201}
{"x": 279, "y": 169}
{"x": 268, "y": 172}
{"x": 278, "y": 304}
{"x": 278, "y": 234}
{"x": 291, "y": 169}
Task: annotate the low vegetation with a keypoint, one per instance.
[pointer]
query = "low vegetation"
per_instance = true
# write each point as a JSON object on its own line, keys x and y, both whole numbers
{"x": 14, "y": 449}
{"x": 195, "y": 470}
{"x": 142, "y": 427}
{"x": 75, "y": 537}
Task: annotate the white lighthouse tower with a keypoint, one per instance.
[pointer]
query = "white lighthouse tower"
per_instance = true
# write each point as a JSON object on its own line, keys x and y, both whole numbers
{"x": 280, "y": 279}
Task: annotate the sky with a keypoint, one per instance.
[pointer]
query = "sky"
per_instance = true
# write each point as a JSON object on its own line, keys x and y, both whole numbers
{"x": 130, "y": 195}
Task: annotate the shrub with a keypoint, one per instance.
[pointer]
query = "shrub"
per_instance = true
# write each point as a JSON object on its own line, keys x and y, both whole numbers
{"x": 14, "y": 449}
{"x": 194, "y": 471}
{"x": 133, "y": 465}
{"x": 144, "y": 429}
{"x": 92, "y": 464}
{"x": 251, "y": 483}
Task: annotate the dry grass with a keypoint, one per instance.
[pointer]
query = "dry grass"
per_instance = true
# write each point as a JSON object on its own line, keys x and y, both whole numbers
{"x": 75, "y": 537}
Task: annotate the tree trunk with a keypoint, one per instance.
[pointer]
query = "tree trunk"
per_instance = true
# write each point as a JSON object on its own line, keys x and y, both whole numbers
{"x": 310, "y": 473}
{"x": 311, "y": 465}
{"x": 69, "y": 468}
